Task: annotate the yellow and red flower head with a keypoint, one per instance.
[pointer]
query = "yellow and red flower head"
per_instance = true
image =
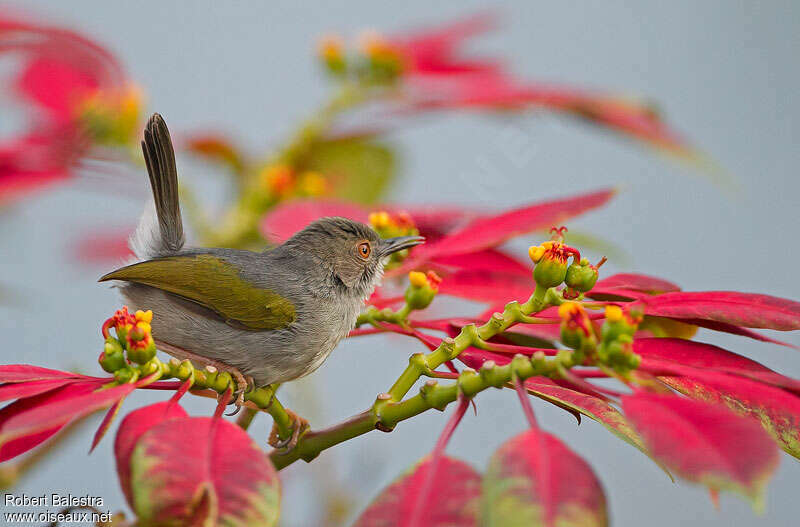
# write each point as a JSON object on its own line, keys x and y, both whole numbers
{"x": 330, "y": 49}
{"x": 551, "y": 262}
{"x": 422, "y": 289}
{"x": 576, "y": 328}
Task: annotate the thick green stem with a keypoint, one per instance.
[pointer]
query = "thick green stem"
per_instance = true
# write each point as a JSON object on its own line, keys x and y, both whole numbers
{"x": 432, "y": 395}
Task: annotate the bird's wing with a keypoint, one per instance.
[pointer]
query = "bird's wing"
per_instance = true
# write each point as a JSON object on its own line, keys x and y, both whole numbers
{"x": 213, "y": 283}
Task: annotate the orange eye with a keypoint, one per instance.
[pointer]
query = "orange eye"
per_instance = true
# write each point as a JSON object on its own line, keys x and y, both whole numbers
{"x": 364, "y": 249}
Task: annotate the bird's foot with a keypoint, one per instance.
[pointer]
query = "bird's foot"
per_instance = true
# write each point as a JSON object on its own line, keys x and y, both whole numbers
{"x": 299, "y": 426}
{"x": 244, "y": 383}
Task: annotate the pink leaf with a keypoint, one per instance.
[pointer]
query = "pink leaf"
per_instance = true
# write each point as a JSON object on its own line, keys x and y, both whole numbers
{"x": 488, "y": 260}
{"x": 520, "y": 487}
{"x": 105, "y": 424}
{"x": 776, "y": 409}
{"x": 57, "y": 407}
{"x": 637, "y": 282}
{"x": 25, "y": 372}
{"x": 454, "y": 502}
{"x": 23, "y": 444}
{"x": 740, "y": 309}
{"x": 202, "y": 471}
{"x": 285, "y": 219}
{"x": 487, "y": 232}
{"x": 131, "y": 429}
{"x": 487, "y": 286}
{"x": 672, "y": 352}
{"x": 21, "y": 390}
{"x": 704, "y": 443}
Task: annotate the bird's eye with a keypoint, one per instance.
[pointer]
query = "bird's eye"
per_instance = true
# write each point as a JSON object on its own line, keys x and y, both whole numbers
{"x": 364, "y": 249}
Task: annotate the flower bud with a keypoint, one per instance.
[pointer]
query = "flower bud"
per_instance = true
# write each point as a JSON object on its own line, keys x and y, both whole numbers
{"x": 576, "y": 329}
{"x": 112, "y": 358}
{"x": 422, "y": 289}
{"x": 124, "y": 375}
{"x": 331, "y": 50}
{"x": 551, "y": 263}
{"x": 581, "y": 276}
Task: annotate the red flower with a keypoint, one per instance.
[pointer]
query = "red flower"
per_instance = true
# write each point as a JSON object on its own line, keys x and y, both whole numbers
{"x": 74, "y": 94}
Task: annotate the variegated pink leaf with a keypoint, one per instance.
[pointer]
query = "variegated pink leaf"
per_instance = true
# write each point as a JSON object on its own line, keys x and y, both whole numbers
{"x": 524, "y": 488}
{"x": 202, "y": 471}
{"x": 705, "y": 443}
{"x": 740, "y": 309}
{"x": 453, "y": 502}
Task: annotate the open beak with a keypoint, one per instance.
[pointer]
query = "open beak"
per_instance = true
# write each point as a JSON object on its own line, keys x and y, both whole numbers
{"x": 392, "y": 245}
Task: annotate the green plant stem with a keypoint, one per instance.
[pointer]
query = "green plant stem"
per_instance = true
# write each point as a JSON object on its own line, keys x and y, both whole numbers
{"x": 432, "y": 395}
{"x": 390, "y": 408}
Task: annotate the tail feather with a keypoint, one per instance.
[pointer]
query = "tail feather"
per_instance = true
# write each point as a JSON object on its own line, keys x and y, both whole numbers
{"x": 160, "y": 230}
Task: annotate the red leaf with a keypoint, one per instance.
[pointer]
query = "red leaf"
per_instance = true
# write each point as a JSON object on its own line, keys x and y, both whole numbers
{"x": 103, "y": 246}
{"x": 704, "y": 443}
{"x": 454, "y": 502}
{"x": 490, "y": 231}
{"x": 487, "y": 286}
{"x": 25, "y": 372}
{"x": 105, "y": 424}
{"x": 21, "y": 390}
{"x": 489, "y": 260}
{"x": 202, "y": 471}
{"x": 736, "y": 330}
{"x": 131, "y": 429}
{"x": 672, "y": 352}
{"x": 776, "y": 409}
{"x": 637, "y": 282}
{"x": 19, "y": 446}
{"x": 740, "y": 309}
{"x": 523, "y": 488}
{"x": 279, "y": 224}
{"x": 57, "y": 407}
{"x": 19, "y": 442}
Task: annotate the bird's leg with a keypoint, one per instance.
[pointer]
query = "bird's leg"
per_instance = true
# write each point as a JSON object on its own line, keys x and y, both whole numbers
{"x": 244, "y": 383}
{"x": 299, "y": 425}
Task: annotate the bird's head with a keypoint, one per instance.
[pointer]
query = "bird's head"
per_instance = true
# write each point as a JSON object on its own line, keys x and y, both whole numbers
{"x": 352, "y": 252}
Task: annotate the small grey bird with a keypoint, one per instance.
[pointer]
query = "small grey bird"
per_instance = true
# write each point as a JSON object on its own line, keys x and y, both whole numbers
{"x": 268, "y": 317}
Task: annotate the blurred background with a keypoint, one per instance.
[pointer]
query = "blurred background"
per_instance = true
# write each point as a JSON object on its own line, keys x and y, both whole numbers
{"x": 724, "y": 74}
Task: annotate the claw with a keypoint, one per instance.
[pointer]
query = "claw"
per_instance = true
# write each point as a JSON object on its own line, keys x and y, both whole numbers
{"x": 243, "y": 385}
{"x": 287, "y": 445}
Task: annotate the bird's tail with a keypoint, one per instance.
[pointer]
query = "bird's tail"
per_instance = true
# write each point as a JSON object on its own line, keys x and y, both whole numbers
{"x": 160, "y": 231}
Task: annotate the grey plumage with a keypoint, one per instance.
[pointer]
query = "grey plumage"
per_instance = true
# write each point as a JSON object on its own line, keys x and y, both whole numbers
{"x": 319, "y": 270}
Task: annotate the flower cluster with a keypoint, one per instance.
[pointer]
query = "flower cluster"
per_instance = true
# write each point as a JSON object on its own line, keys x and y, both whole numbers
{"x": 133, "y": 341}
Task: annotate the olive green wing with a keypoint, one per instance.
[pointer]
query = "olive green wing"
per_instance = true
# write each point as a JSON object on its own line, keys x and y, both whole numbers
{"x": 213, "y": 283}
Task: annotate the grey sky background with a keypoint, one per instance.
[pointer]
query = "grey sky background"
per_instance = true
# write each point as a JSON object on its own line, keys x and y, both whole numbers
{"x": 724, "y": 73}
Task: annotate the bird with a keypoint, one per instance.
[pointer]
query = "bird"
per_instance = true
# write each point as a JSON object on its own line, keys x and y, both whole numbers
{"x": 265, "y": 317}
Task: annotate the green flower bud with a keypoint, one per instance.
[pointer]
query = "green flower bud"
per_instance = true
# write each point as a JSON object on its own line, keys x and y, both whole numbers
{"x": 581, "y": 276}
{"x": 124, "y": 376}
{"x": 422, "y": 289}
{"x": 112, "y": 358}
{"x": 142, "y": 351}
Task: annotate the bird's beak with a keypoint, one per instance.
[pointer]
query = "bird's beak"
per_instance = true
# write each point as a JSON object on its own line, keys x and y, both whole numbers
{"x": 392, "y": 245}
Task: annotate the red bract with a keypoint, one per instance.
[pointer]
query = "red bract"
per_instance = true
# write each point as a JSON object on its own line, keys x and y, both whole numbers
{"x": 454, "y": 500}
{"x": 200, "y": 471}
{"x": 704, "y": 443}
{"x": 131, "y": 429}
{"x": 434, "y": 75}
{"x": 46, "y": 401}
{"x": 728, "y": 307}
{"x": 559, "y": 488}
{"x": 74, "y": 93}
